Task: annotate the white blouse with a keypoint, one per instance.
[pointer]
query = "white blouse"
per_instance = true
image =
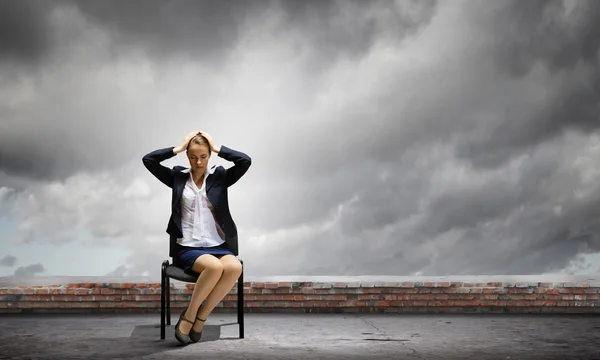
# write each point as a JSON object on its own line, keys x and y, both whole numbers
{"x": 197, "y": 221}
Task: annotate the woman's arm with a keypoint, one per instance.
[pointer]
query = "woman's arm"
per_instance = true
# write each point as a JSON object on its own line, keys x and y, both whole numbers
{"x": 241, "y": 164}
{"x": 241, "y": 161}
{"x": 152, "y": 161}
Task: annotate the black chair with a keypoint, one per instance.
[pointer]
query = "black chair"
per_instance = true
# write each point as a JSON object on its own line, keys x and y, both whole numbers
{"x": 170, "y": 271}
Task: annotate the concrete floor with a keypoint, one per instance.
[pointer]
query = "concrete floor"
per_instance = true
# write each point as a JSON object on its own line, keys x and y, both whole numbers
{"x": 310, "y": 336}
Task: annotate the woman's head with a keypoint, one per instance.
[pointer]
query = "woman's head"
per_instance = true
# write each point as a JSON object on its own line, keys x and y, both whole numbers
{"x": 198, "y": 153}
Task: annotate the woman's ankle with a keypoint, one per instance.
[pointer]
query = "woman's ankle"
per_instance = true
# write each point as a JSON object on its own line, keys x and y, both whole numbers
{"x": 189, "y": 314}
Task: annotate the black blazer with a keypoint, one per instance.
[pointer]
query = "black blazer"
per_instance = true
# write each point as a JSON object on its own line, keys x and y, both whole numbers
{"x": 216, "y": 190}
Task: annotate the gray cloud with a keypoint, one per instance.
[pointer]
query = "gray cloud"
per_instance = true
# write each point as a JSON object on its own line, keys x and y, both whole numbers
{"x": 547, "y": 36}
{"x": 208, "y": 30}
{"x": 24, "y": 34}
{"x": 8, "y": 260}
{"x": 387, "y": 137}
{"x": 46, "y": 140}
{"x": 120, "y": 271}
{"x": 30, "y": 270}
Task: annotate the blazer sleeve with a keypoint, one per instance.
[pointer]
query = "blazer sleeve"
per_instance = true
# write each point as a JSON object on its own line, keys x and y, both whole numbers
{"x": 241, "y": 163}
{"x": 152, "y": 162}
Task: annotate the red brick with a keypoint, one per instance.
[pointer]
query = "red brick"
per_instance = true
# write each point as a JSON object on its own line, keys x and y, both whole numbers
{"x": 404, "y": 291}
{"x": 372, "y": 290}
{"x": 519, "y": 290}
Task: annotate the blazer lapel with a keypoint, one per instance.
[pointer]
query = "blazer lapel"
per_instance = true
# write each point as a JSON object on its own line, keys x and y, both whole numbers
{"x": 179, "y": 185}
{"x": 210, "y": 179}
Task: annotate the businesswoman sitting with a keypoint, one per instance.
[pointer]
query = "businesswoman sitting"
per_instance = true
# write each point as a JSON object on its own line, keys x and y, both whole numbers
{"x": 200, "y": 222}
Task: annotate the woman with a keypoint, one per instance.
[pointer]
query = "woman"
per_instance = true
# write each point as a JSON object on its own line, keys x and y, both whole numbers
{"x": 201, "y": 224}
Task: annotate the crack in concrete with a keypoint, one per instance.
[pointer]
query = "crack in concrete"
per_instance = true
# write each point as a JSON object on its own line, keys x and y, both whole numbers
{"x": 379, "y": 331}
{"x": 387, "y": 338}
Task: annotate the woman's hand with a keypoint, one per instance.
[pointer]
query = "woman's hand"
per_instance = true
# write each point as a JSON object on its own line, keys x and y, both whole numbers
{"x": 185, "y": 142}
{"x": 211, "y": 142}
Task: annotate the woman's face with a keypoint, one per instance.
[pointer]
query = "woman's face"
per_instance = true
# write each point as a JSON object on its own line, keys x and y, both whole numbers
{"x": 198, "y": 155}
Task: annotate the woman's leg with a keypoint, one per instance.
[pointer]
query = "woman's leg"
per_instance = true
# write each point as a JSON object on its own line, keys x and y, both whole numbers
{"x": 210, "y": 269}
{"x": 232, "y": 268}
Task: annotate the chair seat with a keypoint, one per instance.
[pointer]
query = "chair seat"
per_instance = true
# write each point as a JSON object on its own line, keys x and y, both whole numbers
{"x": 177, "y": 273}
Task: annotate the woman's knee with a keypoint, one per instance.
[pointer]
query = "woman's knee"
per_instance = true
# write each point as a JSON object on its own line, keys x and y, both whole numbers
{"x": 208, "y": 263}
{"x": 231, "y": 265}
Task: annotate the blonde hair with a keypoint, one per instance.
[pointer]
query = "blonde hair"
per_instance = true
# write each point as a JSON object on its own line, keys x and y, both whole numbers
{"x": 198, "y": 140}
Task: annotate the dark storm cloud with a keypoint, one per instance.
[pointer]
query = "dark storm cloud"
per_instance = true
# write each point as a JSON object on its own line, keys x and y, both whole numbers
{"x": 347, "y": 29}
{"x": 8, "y": 260}
{"x": 565, "y": 42}
{"x": 208, "y": 30}
{"x": 370, "y": 183}
{"x": 484, "y": 109}
{"x": 24, "y": 30}
{"x": 203, "y": 29}
{"x": 29, "y": 270}
{"x": 545, "y": 30}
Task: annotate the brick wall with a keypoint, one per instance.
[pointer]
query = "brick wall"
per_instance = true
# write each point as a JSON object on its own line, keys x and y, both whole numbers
{"x": 314, "y": 297}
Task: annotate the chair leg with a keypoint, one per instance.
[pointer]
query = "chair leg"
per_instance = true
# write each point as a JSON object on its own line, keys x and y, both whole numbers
{"x": 240, "y": 302}
{"x": 163, "y": 277}
{"x": 168, "y": 288}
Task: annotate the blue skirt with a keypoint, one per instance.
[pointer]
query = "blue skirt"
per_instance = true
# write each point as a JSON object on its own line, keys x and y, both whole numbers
{"x": 186, "y": 256}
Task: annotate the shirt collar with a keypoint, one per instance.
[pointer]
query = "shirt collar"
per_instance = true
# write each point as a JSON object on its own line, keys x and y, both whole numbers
{"x": 210, "y": 171}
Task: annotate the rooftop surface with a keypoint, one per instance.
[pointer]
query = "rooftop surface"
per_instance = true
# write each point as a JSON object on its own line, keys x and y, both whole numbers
{"x": 305, "y": 336}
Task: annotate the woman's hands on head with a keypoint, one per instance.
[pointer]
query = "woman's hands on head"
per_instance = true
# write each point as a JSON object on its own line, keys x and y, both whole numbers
{"x": 190, "y": 136}
{"x": 211, "y": 142}
{"x": 185, "y": 142}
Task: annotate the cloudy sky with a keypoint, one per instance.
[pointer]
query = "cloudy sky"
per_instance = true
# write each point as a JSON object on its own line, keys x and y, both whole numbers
{"x": 393, "y": 138}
